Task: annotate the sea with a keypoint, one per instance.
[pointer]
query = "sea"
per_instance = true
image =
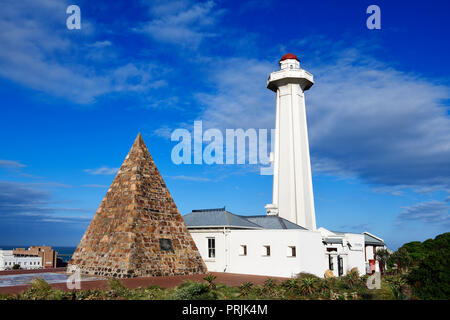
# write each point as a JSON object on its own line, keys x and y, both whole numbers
{"x": 64, "y": 253}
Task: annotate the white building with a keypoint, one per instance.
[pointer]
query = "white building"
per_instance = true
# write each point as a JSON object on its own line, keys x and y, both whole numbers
{"x": 285, "y": 241}
{"x": 273, "y": 246}
{"x": 8, "y": 260}
{"x": 262, "y": 245}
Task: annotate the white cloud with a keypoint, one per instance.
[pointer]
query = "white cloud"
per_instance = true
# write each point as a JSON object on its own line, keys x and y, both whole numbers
{"x": 24, "y": 202}
{"x": 436, "y": 212}
{"x": 100, "y": 186}
{"x": 102, "y": 171}
{"x": 10, "y": 164}
{"x": 366, "y": 120}
{"x": 190, "y": 178}
{"x": 40, "y": 53}
{"x": 181, "y": 22}
{"x": 240, "y": 99}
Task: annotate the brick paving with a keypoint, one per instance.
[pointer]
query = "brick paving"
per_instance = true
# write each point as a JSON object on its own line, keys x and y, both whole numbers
{"x": 231, "y": 279}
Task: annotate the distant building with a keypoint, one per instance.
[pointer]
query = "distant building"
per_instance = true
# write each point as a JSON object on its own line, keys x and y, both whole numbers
{"x": 8, "y": 260}
{"x": 35, "y": 257}
{"x": 347, "y": 250}
{"x": 48, "y": 255}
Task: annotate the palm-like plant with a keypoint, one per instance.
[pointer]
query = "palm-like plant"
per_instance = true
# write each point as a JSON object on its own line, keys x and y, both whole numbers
{"x": 307, "y": 285}
{"x": 245, "y": 289}
{"x": 323, "y": 286}
{"x": 352, "y": 278}
{"x": 382, "y": 256}
{"x": 290, "y": 284}
{"x": 401, "y": 259}
{"x": 210, "y": 279}
{"x": 397, "y": 285}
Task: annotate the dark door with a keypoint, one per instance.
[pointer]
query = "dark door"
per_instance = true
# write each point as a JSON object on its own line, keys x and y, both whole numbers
{"x": 340, "y": 266}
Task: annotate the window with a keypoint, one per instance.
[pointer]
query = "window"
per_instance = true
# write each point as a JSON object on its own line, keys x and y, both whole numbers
{"x": 266, "y": 251}
{"x": 211, "y": 247}
{"x": 243, "y": 250}
{"x": 292, "y": 251}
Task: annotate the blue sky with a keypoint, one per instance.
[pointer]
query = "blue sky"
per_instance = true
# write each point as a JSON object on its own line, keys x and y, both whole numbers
{"x": 72, "y": 102}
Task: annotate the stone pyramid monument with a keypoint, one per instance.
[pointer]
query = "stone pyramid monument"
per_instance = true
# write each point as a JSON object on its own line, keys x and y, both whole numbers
{"x": 137, "y": 230}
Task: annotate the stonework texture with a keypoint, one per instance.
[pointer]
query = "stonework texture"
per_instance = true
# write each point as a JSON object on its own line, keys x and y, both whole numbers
{"x": 137, "y": 230}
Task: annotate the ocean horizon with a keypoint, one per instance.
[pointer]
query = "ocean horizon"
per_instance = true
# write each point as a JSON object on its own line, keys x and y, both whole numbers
{"x": 64, "y": 252}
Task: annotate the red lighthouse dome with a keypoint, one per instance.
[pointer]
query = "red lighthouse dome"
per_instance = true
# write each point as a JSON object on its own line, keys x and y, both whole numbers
{"x": 289, "y": 56}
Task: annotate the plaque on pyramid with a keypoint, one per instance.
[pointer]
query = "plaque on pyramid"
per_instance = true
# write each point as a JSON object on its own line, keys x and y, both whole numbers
{"x": 137, "y": 230}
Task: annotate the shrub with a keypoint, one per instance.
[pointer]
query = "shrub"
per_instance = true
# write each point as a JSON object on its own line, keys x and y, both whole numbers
{"x": 269, "y": 284}
{"x": 245, "y": 289}
{"x": 307, "y": 285}
{"x": 352, "y": 278}
{"x": 118, "y": 288}
{"x": 401, "y": 259}
{"x": 290, "y": 285}
{"x": 307, "y": 275}
{"x": 41, "y": 290}
{"x": 193, "y": 291}
{"x": 431, "y": 278}
{"x": 210, "y": 279}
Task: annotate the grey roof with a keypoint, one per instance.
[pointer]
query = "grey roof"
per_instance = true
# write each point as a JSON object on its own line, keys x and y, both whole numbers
{"x": 332, "y": 240}
{"x": 223, "y": 218}
{"x": 273, "y": 222}
{"x": 368, "y": 239}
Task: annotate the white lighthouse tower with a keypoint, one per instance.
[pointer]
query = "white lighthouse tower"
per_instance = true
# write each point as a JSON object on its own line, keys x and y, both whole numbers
{"x": 292, "y": 183}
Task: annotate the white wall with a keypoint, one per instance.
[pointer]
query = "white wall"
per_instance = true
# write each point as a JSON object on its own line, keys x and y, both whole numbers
{"x": 217, "y": 264}
{"x": 309, "y": 252}
{"x": 6, "y": 256}
{"x": 355, "y": 252}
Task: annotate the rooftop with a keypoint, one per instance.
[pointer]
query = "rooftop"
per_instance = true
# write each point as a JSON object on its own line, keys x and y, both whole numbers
{"x": 289, "y": 56}
{"x": 220, "y": 217}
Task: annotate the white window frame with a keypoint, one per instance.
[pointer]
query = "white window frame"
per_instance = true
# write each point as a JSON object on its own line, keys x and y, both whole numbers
{"x": 243, "y": 250}
{"x": 211, "y": 249}
{"x": 292, "y": 251}
{"x": 266, "y": 251}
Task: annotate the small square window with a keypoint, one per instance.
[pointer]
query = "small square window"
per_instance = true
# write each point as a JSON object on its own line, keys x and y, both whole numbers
{"x": 292, "y": 251}
{"x": 243, "y": 250}
{"x": 266, "y": 251}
